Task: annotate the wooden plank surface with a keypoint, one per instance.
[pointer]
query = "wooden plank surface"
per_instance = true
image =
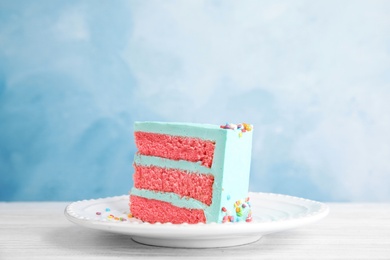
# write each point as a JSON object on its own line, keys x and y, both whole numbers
{"x": 40, "y": 231}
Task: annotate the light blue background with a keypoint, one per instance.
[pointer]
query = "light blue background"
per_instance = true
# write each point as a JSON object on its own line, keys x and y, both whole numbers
{"x": 313, "y": 78}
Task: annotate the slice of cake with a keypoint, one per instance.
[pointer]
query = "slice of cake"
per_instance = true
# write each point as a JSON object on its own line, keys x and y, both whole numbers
{"x": 191, "y": 173}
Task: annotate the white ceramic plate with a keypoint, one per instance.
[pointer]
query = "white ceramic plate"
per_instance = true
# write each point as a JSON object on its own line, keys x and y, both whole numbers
{"x": 271, "y": 213}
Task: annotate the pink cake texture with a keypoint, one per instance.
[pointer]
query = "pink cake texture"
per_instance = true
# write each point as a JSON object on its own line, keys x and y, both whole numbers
{"x": 154, "y": 211}
{"x": 183, "y": 183}
{"x": 175, "y": 147}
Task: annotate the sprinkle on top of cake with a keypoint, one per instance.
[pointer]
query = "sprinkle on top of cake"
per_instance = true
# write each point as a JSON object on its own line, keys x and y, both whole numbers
{"x": 242, "y": 127}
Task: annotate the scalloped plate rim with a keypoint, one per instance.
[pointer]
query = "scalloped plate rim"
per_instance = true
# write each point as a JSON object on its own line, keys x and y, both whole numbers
{"x": 201, "y": 230}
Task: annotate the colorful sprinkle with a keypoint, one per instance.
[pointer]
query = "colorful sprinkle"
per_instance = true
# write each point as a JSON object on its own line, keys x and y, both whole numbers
{"x": 225, "y": 219}
{"x": 242, "y": 212}
{"x": 108, "y": 209}
{"x": 98, "y": 213}
{"x": 242, "y": 127}
{"x": 247, "y": 127}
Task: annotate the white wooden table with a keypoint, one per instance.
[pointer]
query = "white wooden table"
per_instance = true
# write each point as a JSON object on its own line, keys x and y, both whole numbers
{"x": 40, "y": 231}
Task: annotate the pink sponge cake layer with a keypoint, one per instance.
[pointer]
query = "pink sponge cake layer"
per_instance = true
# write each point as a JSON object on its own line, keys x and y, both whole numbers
{"x": 175, "y": 147}
{"x": 153, "y": 211}
{"x": 183, "y": 183}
